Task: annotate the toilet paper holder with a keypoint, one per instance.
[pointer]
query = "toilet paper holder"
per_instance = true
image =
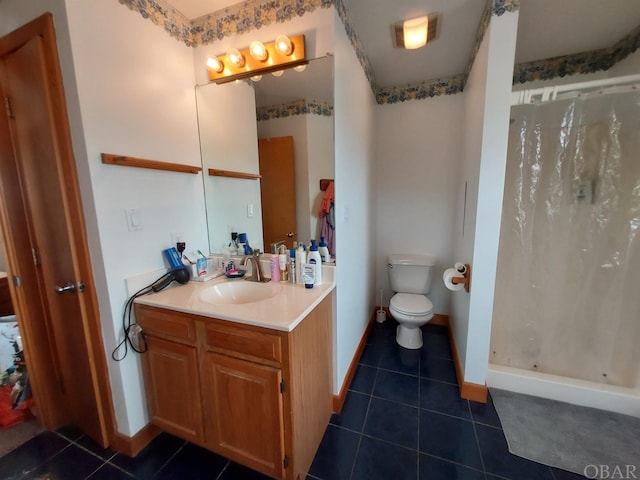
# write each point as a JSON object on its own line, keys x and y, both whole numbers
{"x": 463, "y": 269}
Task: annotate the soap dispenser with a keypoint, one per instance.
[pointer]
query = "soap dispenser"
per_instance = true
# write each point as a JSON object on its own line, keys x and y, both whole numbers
{"x": 314, "y": 257}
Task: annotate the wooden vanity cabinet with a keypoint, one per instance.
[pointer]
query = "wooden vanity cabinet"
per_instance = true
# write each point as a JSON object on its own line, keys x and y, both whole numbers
{"x": 260, "y": 397}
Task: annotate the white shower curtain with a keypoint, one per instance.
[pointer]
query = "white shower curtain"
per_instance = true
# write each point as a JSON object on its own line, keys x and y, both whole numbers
{"x": 568, "y": 283}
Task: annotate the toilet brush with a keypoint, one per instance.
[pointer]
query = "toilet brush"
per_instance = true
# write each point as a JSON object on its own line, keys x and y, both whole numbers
{"x": 381, "y": 315}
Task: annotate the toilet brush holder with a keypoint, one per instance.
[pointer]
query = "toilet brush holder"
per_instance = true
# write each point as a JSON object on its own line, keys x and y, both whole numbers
{"x": 381, "y": 316}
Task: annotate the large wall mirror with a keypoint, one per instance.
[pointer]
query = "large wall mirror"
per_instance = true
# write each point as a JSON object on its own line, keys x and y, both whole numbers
{"x": 292, "y": 115}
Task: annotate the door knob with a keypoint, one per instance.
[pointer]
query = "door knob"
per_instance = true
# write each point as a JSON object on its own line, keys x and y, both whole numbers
{"x": 69, "y": 287}
{"x": 290, "y": 234}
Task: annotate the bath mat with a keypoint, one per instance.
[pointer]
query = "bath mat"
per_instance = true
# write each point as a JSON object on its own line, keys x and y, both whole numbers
{"x": 583, "y": 440}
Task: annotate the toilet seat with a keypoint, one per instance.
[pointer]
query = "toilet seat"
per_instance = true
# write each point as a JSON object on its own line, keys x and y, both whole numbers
{"x": 411, "y": 304}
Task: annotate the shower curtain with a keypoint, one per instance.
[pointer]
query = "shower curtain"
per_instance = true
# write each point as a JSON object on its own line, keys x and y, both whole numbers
{"x": 568, "y": 282}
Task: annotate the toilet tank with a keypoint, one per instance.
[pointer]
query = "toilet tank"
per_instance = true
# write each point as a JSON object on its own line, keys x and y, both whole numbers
{"x": 410, "y": 273}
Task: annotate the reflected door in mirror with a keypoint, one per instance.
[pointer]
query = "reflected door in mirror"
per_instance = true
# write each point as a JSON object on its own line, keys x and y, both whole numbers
{"x": 278, "y": 192}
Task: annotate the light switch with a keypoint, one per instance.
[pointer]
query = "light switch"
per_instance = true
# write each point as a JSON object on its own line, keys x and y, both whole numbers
{"x": 250, "y": 210}
{"x": 134, "y": 221}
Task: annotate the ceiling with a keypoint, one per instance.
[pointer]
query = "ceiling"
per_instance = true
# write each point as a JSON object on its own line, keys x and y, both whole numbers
{"x": 547, "y": 28}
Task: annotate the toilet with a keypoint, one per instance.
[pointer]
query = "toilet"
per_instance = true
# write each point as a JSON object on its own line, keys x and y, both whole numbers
{"x": 410, "y": 277}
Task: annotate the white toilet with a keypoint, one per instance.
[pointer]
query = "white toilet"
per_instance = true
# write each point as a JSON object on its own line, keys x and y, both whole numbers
{"x": 410, "y": 277}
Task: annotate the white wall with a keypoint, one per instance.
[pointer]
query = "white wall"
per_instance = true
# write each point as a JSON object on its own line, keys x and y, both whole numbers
{"x": 355, "y": 203}
{"x": 136, "y": 97}
{"x": 418, "y": 150}
{"x": 484, "y": 159}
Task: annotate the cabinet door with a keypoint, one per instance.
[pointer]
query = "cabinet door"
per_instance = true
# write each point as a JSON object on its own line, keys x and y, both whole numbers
{"x": 244, "y": 414}
{"x": 173, "y": 388}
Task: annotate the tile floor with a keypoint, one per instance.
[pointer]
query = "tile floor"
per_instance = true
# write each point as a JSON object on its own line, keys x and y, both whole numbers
{"x": 403, "y": 419}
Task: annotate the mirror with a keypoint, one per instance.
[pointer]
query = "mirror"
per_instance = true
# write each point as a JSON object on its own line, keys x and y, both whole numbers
{"x": 297, "y": 105}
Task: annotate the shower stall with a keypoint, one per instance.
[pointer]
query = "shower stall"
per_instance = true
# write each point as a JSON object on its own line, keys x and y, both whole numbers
{"x": 566, "y": 319}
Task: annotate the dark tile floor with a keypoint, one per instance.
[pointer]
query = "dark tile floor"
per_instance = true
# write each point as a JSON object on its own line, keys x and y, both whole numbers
{"x": 403, "y": 419}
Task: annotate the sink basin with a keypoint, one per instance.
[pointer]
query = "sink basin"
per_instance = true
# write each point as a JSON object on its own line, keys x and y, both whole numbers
{"x": 239, "y": 292}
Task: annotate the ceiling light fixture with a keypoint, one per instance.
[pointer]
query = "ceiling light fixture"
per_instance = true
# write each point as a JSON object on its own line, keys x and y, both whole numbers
{"x": 285, "y": 52}
{"x": 415, "y": 32}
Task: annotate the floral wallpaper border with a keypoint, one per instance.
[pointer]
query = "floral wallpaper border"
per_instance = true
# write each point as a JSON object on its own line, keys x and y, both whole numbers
{"x": 254, "y": 14}
{"x": 587, "y": 62}
{"x": 297, "y": 107}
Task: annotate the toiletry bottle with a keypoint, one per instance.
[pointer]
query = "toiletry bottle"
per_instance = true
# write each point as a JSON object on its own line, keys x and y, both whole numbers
{"x": 324, "y": 250}
{"x": 314, "y": 258}
{"x": 292, "y": 266}
{"x": 282, "y": 258}
{"x": 275, "y": 268}
{"x": 308, "y": 274}
{"x": 301, "y": 259}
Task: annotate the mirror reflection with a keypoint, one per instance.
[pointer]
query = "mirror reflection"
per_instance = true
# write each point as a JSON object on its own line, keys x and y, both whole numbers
{"x": 265, "y": 148}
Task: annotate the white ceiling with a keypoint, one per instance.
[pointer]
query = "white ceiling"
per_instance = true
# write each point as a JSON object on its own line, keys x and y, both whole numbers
{"x": 547, "y": 28}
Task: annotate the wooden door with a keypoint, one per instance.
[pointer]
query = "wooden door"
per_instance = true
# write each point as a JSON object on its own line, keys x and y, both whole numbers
{"x": 244, "y": 415}
{"x": 44, "y": 232}
{"x": 277, "y": 190}
{"x": 173, "y": 388}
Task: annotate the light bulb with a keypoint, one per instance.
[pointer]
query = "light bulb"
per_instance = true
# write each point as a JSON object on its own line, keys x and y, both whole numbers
{"x": 300, "y": 68}
{"x": 283, "y": 45}
{"x": 256, "y": 78}
{"x": 258, "y": 51}
{"x": 214, "y": 64}
{"x": 235, "y": 58}
{"x": 277, "y": 73}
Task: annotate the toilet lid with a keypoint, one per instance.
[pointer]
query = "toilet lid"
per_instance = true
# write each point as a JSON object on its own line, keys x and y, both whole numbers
{"x": 411, "y": 304}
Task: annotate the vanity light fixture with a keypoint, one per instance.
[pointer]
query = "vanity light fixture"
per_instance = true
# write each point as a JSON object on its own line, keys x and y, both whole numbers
{"x": 283, "y": 45}
{"x": 258, "y": 59}
{"x": 300, "y": 68}
{"x": 214, "y": 64}
{"x": 235, "y": 58}
{"x": 256, "y": 78}
{"x": 258, "y": 51}
{"x": 277, "y": 73}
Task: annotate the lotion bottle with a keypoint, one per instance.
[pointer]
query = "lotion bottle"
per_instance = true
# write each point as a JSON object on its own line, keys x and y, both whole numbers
{"x": 324, "y": 250}
{"x": 275, "y": 268}
{"x": 314, "y": 258}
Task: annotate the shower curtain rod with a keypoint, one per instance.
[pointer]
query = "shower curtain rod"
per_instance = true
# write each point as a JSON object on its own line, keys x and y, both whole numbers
{"x": 550, "y": 93}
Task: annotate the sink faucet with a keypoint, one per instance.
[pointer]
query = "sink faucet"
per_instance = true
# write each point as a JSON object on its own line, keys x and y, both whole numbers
{"x": 276, "y": 245}
{"x": 256, "y": 269}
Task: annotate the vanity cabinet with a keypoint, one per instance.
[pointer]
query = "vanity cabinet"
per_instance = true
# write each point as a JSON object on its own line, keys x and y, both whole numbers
{"x": 261, "y": 397}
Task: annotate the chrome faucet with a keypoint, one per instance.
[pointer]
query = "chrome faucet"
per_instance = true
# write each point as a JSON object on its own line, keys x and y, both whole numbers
{"x": 276, "y": 245}
{"x": 256, "y": 269}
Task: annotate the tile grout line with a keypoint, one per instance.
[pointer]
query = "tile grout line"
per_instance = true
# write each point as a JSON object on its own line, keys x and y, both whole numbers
{"x": 355, "y": 458}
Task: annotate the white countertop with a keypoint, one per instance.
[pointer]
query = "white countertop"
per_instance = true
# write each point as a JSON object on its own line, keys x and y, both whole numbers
{"x": 283, "y": 311}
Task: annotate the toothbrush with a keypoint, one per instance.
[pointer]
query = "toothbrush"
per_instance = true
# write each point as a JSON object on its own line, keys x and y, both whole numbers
{"x": 203, "y": 255}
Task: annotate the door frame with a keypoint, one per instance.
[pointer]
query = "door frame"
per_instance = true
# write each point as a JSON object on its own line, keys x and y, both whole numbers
{"x": 45, "y": 399}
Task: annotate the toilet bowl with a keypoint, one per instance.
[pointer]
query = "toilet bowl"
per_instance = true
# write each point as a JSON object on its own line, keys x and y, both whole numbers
{"x": 410, "y": 278}
{"x": 411, "y": 311}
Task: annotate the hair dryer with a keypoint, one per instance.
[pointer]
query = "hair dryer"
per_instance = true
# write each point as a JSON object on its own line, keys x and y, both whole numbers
{"x": 180, "y": 275}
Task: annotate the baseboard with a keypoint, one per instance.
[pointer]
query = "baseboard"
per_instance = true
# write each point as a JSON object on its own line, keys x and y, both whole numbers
{"x": 131, "y": 446}
{"x": 338, "y": 400}
{"x": 468, "y": 391}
